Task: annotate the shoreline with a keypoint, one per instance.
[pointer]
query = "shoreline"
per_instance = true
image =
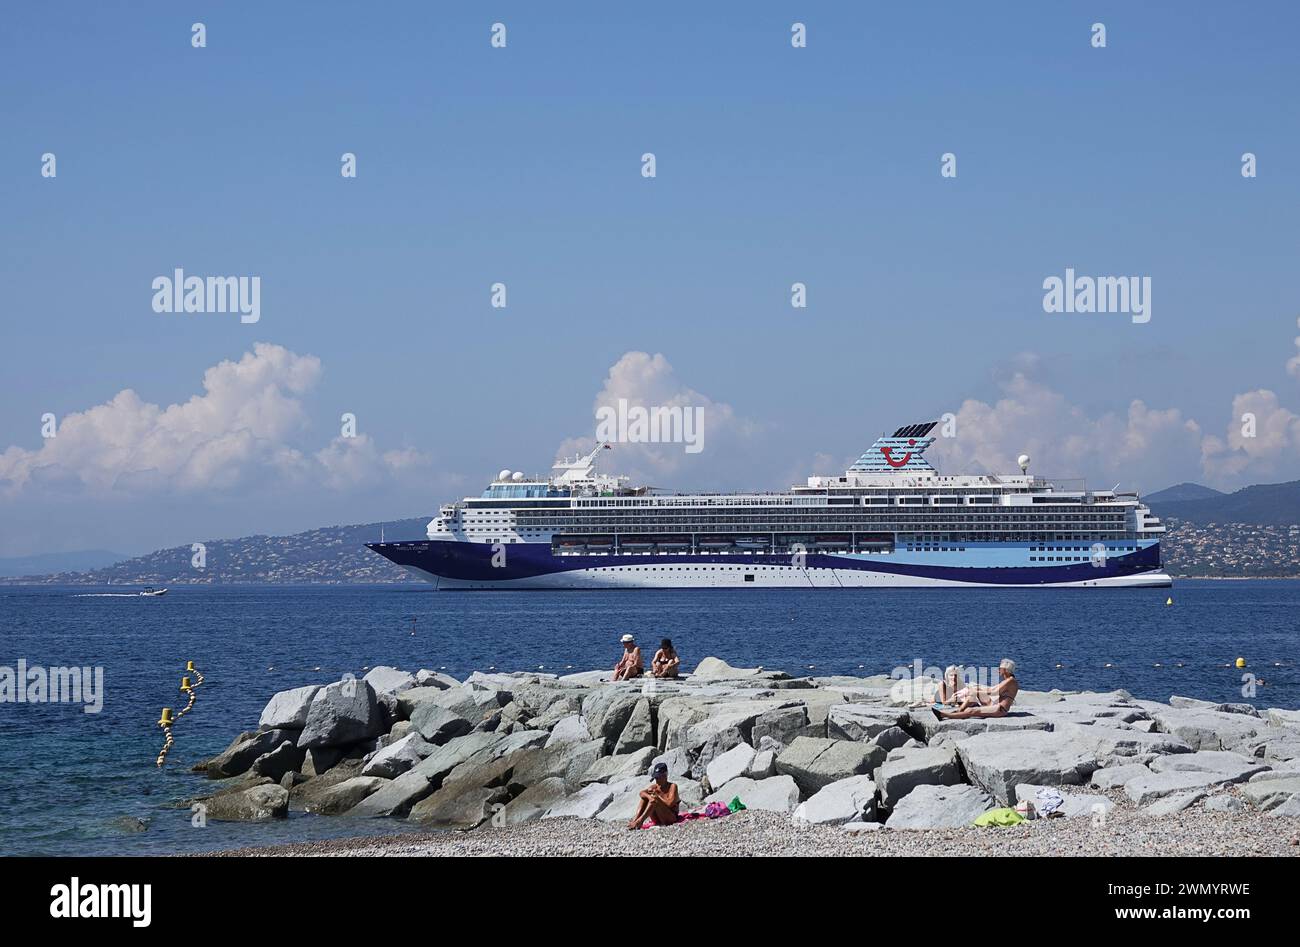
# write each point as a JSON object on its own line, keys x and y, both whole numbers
{"x": 765, "y": 834}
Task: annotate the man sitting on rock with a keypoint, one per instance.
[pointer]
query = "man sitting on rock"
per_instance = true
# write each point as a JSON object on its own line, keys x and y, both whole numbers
{"x": 630, "y": 665}
{"x": 659, "y": 800}
{"x": 992, "y": 701}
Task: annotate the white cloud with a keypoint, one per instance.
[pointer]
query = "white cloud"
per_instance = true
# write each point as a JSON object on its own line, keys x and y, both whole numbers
{"x": 1272, "y": 451}
{"x": 1144, "y": 447}
{"x": 242, "y": 425}
{"x": 649, "y": 381}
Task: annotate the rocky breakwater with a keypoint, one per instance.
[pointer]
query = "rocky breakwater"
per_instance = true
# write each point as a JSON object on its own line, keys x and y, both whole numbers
{"x": 863, "y": 753}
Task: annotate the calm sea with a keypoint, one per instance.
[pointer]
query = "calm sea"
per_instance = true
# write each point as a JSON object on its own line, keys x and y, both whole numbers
{"x": 72, "y": 783}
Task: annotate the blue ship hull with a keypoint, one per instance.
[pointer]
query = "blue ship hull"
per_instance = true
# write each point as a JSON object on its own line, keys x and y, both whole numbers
{"x": 464, "y": 565}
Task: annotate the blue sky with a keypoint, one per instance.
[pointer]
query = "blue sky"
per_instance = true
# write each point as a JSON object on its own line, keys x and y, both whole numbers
{"x": 522, "y": 165}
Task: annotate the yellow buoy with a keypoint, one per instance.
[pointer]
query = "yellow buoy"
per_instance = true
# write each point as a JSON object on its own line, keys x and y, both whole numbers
{"x": 1241, "y": 662}
{"x": 166, "y": 719}
{"x": 189, "y": 665}
{"x": 185, "y": 685}
{"x": 1169, "y": 601}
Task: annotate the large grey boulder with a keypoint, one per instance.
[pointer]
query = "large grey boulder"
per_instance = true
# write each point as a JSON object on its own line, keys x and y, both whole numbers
{"x": 639, "y": 731}
{"x": 1232, "y": 766}
{"x": 1289, "y": 809}
{"x": 236, "y": 759}
{"x": 1120, "y": 744}
{"x": 677, "y": 760}
{"x": 396, "y": 758}
{"x": 288, "y": 709}
{"x": 716, "y": 669}
{"x": 586, "y": 803}
{"x": 572, "y": 729}
{"x": 1209, "y": 729}
{"x": 427, "y": 678}
{"x": 898, "y": 776}
{"x": 344, "y": 796}
{"x": 845, "y": 800}
{"x": 814, "y": 763}
{"x": 1110, "y": 777}
{"x": 395, "y": 797}
{"x": 762, "y": 765}
{"x": 389, "y": 680}
{"x": 447, "y": 757}
{"x": 532, "y": 803}
{"x": 285, "y": 758}
{"x": 892, "y": 739}
{"x": 1270, "y": 793}
{"x": 939, "y": 807}
{"x": 727, "y": 766}
{"x": 996, "y": 762}
{"x": 781, "y": 725}
{"x": 341, "y": 713}
{"x": 861, "y": 722}
{"x": 1145, "y": 790}
{"x": 612, "y": 768}
{"x": 1175, "y": 803}
{"x": 255, "y": 804}
{"x": 607, "y": 711}
{"x": 924, "y": 721}
{"x": 459, "y": 807}
{"x": 566, "y": 761}
{"x": 438, "y": 724}
{"x": 1283, "y": 718}
{"x": 777, "y": 794}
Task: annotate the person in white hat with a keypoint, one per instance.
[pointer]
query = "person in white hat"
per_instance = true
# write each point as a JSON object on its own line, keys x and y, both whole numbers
{"x": 630, "y": 665}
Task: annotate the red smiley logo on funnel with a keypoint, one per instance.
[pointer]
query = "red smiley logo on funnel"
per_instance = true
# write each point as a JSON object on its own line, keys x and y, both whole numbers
{"x": 898, "y": 463}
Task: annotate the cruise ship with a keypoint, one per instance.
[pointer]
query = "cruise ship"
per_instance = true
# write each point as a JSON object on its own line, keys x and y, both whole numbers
{"x": 892, "y": 520}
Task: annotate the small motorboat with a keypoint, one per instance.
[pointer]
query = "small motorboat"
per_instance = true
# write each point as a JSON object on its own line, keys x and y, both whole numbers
{"x": 151, "y": 592}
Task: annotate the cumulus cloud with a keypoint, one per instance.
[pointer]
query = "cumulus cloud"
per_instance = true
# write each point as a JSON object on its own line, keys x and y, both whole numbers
{"x": 639, "y": 379}
{"x": 242, "y": 425}
{"x": 1142, "y": 447}
{"x": 1262, "y": 439}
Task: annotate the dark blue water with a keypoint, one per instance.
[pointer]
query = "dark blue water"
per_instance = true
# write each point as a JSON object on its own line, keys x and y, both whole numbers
{"x": 66, "y": 777}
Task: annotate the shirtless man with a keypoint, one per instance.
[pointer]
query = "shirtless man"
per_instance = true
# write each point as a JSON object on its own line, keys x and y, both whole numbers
{"x": 630, "y": 665}
{"x": 659, "y": 800}
{"x": 993, "y": 701}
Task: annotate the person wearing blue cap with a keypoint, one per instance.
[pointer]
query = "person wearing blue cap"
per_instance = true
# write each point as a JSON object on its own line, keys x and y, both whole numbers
{"x": 659, "y": 800}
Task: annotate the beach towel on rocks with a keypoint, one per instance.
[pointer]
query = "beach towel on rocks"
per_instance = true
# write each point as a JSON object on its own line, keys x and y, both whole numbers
{"x": 999, "y": 817}
{"x": 1046, "y": 801}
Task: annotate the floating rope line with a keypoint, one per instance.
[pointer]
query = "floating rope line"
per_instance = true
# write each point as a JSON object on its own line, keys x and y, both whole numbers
{"x": 188, "y": 688}
{"x": 166, "y": 721}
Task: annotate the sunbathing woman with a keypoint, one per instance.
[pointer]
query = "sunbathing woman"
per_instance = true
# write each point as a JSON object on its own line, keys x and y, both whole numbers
{"x": 665, "y": 662}
{"x": 659, "y": 800}
{"x": 950, "y": 687}
{"x": 995, "y": 701}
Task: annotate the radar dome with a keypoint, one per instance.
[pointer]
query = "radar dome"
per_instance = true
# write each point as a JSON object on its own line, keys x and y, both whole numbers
{"x": 1023, "y": 461}
{"x": 504, "y": 475}
{"x": 517, "y": 476}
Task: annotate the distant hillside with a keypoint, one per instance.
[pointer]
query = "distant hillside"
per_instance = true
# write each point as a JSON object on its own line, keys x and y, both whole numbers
{"x": 1266, "y": 504}
{"x": 333, "y": 554}
{"x": 1182, "y": 492}
{"x": 59, "y": 562}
